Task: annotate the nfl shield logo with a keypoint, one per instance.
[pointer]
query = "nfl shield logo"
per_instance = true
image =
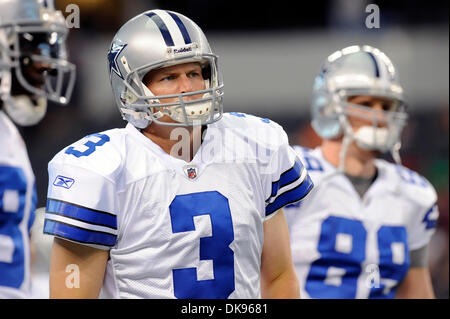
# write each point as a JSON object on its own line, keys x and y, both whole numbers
{"x": 191, "y": 172}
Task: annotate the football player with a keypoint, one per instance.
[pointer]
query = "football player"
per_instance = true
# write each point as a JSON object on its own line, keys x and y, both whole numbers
{"x": 364, "y": 230}
{"x": 141, "y": 214}
{"x": 33, "y": 69}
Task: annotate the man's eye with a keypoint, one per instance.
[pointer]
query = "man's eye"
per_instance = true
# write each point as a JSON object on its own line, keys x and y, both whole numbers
{"x": 168, "y": 78}
{"x": 387, "y": 107}
{"x": 194, "y": 74}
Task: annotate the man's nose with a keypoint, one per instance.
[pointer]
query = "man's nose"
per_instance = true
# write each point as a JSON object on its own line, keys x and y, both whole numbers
{"x": 377, "y": 106}
{"x": 380, "y": 116}
{"x": 185, "y": 84}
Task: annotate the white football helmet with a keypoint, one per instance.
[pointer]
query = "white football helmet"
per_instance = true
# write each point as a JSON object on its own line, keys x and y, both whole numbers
{"x": 153, "y": 40}
{"x": 36, "y": 35}
{"x": 353, "y": 71}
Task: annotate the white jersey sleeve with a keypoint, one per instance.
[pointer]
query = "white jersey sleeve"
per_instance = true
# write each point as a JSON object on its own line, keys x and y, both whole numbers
{"x": 82, "y": 191}
{"x": 285, "y": 178}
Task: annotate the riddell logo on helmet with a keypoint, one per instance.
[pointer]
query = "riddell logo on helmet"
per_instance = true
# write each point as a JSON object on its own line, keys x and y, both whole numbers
{"x": 182, "y": 50}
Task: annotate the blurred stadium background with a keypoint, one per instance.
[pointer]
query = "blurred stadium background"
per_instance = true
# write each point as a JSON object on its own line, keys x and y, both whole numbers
{"x": 270, "y": 53}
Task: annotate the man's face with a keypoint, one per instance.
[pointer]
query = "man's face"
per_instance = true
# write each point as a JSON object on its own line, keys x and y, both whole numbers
{"x": 176, "y": 79}
{"x": 34, "y": 72}
{"x": 181, "y": 78}
{"x": 375, "y": 104}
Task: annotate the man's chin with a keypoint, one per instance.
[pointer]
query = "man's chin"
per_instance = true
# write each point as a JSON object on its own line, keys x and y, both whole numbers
{"x": 368, "y": 153}
{"x": 167, "y": 119}
{"x": 371, "y": 153}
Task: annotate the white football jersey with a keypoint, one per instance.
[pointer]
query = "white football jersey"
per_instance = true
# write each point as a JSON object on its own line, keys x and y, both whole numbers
{"x": 345, "y": 246}
{"x": 17, "y": 204}
{"x": 176, "y": 229}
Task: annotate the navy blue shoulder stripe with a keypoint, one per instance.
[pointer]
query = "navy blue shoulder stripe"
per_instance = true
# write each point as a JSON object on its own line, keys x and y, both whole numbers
{"x": 184, "y": 32}
{"x": 162, "y": 27}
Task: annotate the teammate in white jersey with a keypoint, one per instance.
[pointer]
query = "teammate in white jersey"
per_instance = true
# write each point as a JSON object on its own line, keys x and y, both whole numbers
{"x": 185, "y": 202}
{"x": 364, "y": 230}
{"x": 32, "y": 56}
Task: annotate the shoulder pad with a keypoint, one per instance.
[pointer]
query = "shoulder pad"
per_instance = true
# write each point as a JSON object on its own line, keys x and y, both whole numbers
{"x": 310, "y": 158}
{"x": 101, "y": 152}
{"x": 261, "y": 130}
{"x": 411, "y": 184}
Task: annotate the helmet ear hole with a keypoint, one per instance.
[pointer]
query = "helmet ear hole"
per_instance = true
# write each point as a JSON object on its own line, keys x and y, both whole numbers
{"x": 146, "y": 79}
{"x": 206, "y": 72}
{"x": 325, "y": 120}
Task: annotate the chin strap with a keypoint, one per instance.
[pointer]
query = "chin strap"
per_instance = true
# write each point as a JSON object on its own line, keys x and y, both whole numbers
{"x": 395, "y": 153}
{"x": 23, "y": 110}
{"x": 346, "y": 141}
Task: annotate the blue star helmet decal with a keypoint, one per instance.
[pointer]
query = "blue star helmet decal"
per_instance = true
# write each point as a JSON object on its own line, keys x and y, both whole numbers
{"x": 113, "y": 54}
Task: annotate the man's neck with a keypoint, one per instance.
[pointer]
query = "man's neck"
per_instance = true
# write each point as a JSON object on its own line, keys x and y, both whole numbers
{"x": 358, "y": 162}
{"x": 178, "y": 141}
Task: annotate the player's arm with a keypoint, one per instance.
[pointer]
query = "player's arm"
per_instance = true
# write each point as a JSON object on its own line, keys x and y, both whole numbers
{"x": 416, "y": 285}
{"x": 417, "y": 282}
{"x": 278, "y": 278}
{"x": 81, "y": 215}
{"x": 76, "y": 271}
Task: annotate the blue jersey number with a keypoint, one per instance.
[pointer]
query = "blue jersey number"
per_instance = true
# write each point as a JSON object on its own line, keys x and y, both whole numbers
{"x": 215, "y": 247}
{"x": 90, "y": 145}
{"x": 391, "y": 271}
{"x": 350, "y": 257}
{"x": 13, "y": 189}
{"x": 350, "y": 260}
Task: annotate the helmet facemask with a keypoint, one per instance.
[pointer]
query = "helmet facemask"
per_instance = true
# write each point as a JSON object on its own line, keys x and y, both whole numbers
{"x": 35, "y": 44}
{"x": 384, "y": 128}
{"x": 40, "y": 65}
{"x": 359, "y": 71}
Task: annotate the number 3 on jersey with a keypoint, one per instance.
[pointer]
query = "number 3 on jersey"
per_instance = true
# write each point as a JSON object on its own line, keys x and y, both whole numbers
{"x": 214, "y": 247}
{"x": 91, "y": 146}
{"x": 342, "y": 248}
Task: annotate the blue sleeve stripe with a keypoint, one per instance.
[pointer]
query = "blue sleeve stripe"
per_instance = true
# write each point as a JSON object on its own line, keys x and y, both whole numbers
{"x": 81, "y": 213}
{"x": 77, "y": 234}
{"x": 291, "y": 196}
{"x": 286, "y": 178}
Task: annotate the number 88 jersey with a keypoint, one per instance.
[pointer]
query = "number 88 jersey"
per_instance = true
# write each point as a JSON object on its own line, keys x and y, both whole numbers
{"x": 17, "y": 204}
{"x": 345, "y": 246}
